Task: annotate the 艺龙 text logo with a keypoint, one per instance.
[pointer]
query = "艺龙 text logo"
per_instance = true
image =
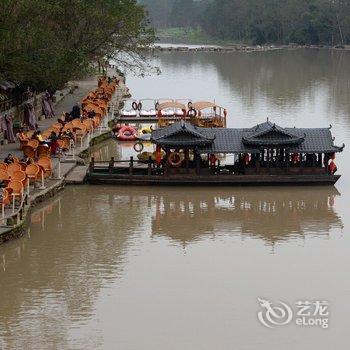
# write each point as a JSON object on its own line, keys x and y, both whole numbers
{"x": 307, "y": 313}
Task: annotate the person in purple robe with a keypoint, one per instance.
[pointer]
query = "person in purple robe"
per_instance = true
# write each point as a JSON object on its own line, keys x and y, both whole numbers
{"x": 29, "y": 116}
{"x": 7, "y": 126}
{"x": 47, "y": 106}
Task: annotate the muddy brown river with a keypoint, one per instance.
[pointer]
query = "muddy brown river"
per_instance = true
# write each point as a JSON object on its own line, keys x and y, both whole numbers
{"x": 196, "y": 268}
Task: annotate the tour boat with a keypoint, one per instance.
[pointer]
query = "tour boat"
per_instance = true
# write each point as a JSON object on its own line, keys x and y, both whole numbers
{"x": 167, "y": 111}
{"x": 265, "y": 154}
{"x": 130, "y": 108}
{"x": 148, "y": 107}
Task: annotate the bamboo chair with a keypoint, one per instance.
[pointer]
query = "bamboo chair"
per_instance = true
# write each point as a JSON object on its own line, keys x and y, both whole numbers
{"x": 29, "y": 151}
{"x": 33, "y": 143}
{"x": 23, "y": 140}
{"x": 32, "y": 172}
{"x": 19, "y": 175}
{"x": 4, "y": 201}
{"x": 89, "y": 124}
{"x": 46, "y": 164}
{"x": 57, "y": 126}
{"x": 3, "y": 166}
{"x": 4, "y": 176}
{"x": 66, "y": 142}
{"x": 13, "y": 167}
{"x": 16, "y": 191}
{"x": 43, "y": 151}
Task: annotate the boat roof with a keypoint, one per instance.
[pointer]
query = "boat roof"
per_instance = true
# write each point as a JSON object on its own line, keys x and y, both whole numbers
{"x": 203, "y": 105}
{"x": 171, "y": 104}
{"x": 246, "y": 140}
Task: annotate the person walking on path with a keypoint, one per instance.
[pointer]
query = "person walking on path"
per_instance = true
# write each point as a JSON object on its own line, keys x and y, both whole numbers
{"x": 29, "y": 116}
{"x": 47, "y": 106}
{"x": 7, "y": 127}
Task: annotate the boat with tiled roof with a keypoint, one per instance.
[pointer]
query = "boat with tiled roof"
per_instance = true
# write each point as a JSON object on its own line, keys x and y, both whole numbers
{"x": 266, "y": 154}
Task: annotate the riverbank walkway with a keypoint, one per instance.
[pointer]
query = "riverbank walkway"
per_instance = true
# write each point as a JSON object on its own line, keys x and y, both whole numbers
{"x": 70, "y": 167}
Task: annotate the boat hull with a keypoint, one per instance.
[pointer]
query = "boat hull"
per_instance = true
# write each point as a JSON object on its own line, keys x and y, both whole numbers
{"x": 212, "y": 180}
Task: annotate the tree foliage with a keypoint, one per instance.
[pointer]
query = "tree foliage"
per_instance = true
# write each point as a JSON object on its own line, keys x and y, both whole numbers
{"x": 45, "y": 43}
{"x": 260, "y": 21}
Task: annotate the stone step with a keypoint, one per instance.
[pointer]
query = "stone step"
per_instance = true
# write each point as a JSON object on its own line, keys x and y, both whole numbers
{"x": 77, "y": 175}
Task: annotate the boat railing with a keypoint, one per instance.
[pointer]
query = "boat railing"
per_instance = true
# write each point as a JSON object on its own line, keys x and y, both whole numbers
{"x": 112, "y": 164}
{"x": 16, "y": 214}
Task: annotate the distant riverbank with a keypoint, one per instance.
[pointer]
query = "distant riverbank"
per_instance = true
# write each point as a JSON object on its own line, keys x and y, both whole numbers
{"x": 238, "y": 47}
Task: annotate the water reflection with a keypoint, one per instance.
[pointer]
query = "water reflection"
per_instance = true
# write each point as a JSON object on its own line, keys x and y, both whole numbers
{"x": 60, "y": 266}
{"x": 271, "y": 214}
{"x": 52, "y": 278}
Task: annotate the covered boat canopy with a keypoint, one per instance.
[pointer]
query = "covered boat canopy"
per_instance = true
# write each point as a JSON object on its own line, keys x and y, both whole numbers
{"x": 247, "y": 140}
{"x": 171, "y": 104}
{"x": 203, "y": 105}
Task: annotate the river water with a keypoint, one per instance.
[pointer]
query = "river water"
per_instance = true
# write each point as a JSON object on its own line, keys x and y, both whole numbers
{"x": 183, "y": 268}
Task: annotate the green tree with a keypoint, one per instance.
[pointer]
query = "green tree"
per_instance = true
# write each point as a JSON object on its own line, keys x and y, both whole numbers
{"x": 45, "y": 43}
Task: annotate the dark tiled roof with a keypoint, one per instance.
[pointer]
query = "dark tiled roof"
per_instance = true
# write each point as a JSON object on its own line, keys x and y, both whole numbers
{"x": 271, "y": 134}
{"x": 181, "y": 134}
{"x": 222, "y": 140}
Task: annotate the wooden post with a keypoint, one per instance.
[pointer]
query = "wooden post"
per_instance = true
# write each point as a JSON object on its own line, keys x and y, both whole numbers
{"x": 131, "y": 165}
{"x": 111, "y": 165}
{"x": 187, "y": 160}
{"x": 198, "y": 164}
{"x": 166, "y": 170}
{"x": 149, "y": 170}
{"x": 287, "y": 160}
{"x": 257, "y": 163}
{"x": 92, "y": 164}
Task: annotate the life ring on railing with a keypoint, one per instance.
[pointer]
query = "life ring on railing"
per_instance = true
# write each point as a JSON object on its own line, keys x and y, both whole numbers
{"x": 175, "y": 159}
{"x": 139, "y": 106}
{"x": 212, "y": 159}
{"x": 189, "y": 105}
{"x": 138, "y": 147}
{"x": 192, "y": 112}
{"x": 158, "y": 155}
{"x": 295, "y": 158}
{"x": 127, "y": 133}
{"x": 246, "y": 158}
{"x": 134, "y": 106}
{"x": 332, "y": 168}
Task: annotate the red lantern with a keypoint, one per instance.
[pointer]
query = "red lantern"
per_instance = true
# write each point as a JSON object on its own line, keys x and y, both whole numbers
{"x": 158, "y": 154}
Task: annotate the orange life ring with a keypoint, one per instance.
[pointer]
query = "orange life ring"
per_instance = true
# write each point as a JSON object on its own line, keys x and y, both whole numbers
{"x": 174, "y": 159}
{"x": 127, "y": 133}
